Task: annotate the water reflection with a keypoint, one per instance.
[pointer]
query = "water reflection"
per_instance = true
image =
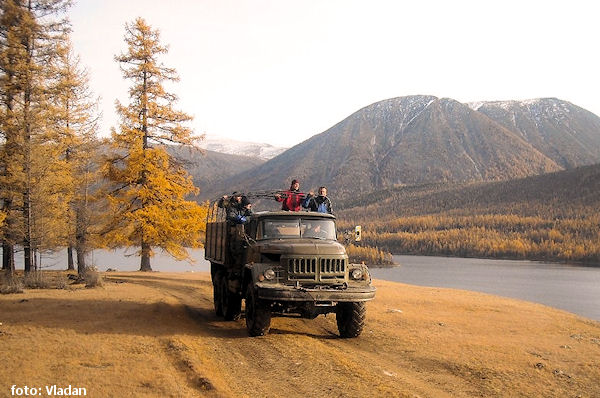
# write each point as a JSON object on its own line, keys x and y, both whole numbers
{"x": 572, "y": 288}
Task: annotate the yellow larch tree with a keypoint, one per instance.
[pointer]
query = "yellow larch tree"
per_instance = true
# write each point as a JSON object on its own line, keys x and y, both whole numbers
{"x": 76, "y": 117}
{"x": 148, "y": 196}
{"x": 50, "y": 196}
{"x": 12, "y": 177}
{"x": 31, "y": 31}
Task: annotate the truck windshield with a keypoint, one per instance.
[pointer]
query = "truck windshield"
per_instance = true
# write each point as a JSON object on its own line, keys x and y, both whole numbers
{"x": 297, "y": 228}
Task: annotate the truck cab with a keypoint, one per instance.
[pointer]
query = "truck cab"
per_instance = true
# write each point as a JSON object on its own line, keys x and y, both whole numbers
{"x": 285, "y": 263}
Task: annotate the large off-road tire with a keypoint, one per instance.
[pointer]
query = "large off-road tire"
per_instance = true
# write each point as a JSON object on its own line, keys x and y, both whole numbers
{"x": 351, "y": 318}
{"x": 231, "y": 303}
{"x": 214, "y": 268}
{"x": 217, "y": 301}
{"x": 258, "y": 316}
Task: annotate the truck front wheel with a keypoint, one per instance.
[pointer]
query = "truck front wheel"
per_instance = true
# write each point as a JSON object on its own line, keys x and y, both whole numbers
{"x": 350, "y": 318}
{"x": 258, "y": 316}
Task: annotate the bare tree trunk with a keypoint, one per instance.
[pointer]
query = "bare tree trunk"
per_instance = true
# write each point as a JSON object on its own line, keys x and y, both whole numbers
{"x": 145, "y": 258}
{"x": 8, "y": 257}
{"x": 27, "y": 216}
{"x": 145, "y": 263}
{"x": 81, "y": 234}
{"x": 80, "y": 245}
{"x": 81, "y": 267}
{"x": 8, "y": 249}
{"x": 70, "y": 263}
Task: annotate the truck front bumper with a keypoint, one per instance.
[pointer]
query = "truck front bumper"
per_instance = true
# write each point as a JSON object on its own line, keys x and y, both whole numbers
{"x": 292, "y": 293}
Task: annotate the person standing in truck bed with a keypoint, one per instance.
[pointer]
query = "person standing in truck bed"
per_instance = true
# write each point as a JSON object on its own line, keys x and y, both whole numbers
{"x": 320, "y": 203}
{"x": 292, "y": 198}
{"x": 238, "y": 208}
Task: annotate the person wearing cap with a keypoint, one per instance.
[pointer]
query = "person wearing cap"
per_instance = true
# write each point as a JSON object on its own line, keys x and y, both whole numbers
{"x": 292, "y": 199}
{"x": 238, "y": 207}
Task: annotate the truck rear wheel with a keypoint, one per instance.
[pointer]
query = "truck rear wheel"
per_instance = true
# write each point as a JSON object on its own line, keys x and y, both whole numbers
{"x": 350, "y": 318}
{"x": 231, "y": 303}
{"x": 217, "y": 302}
{"x": 258, "y": 316}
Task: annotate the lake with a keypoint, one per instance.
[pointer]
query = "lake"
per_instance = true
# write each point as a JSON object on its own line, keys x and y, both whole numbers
{"x": 569, "y": 287}
{"x": 123, "y": 260}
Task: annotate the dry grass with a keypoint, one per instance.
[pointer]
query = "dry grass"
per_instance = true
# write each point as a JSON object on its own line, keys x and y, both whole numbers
{"x": 36, "y": 279}
{"x": 155, "y": 335}
{"x": 10, "y": 284}
{"x": 92, "y": 278}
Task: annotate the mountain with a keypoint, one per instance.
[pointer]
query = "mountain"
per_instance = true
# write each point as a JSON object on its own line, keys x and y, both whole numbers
{"x": 243, "y": 148}
{"x": 551, "y": 217}
{"x": 424, "y": 139}
{"x": 566, "y": 133}
{"x": 568, "y": 193}
{"x": 448, "y": 141}
{"x": 208, "y": 167}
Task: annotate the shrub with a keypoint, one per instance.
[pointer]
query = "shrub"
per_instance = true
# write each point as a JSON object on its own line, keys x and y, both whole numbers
{"x": 36, "y": 280}
{"x": 10, "y": 285}
{"x": 368, "y": 255}
{"x": 61, "y": 281}
{"x": 92, "y": 278}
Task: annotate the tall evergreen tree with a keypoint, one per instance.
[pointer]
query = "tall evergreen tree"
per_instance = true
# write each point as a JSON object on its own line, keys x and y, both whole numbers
{"x": 75, "y": 127}
{"x": 12, "y": 57}
{"x": 149, "y": 198}
{"x": 30, "y": 36}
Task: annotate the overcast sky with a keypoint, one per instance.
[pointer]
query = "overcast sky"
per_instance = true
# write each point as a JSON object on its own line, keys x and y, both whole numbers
{"x": 282, "y": 71}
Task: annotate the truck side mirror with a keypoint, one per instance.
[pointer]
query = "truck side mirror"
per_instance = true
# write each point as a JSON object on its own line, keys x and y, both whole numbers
{"x": 357, "y": 233}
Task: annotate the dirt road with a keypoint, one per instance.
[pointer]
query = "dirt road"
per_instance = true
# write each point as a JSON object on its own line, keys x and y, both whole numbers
{"x": 156, "y": 335}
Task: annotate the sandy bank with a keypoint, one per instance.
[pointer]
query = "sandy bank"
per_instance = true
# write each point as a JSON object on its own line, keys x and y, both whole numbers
{"x": 156, "y": 335}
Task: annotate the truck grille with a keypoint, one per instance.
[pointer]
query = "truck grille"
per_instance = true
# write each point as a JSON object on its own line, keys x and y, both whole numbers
{"x": 332, "y": 267}
{"x": 316, "y": 269}
{"x": 302, "y": 266}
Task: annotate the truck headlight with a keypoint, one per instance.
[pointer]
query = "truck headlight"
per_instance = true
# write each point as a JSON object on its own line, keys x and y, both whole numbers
{"x": 269, "y": 274}
{"x": 357, "y": 274}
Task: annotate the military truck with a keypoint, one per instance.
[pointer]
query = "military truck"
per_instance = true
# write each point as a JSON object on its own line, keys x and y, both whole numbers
{"x": 284, "y": 263}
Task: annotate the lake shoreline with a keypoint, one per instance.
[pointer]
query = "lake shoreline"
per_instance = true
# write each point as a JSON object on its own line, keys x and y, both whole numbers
{"x": 568, "y": 287}
{"x": 507, "y": 258}
{"x": 558, "y": 285}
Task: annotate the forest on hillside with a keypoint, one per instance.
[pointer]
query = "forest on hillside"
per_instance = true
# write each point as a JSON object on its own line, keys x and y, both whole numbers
{"x": 550, "y": 217}
{"x": 489, "y": 236}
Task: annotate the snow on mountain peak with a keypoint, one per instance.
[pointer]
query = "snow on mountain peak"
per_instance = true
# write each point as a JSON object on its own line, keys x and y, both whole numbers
{"x": 235, "y": 147}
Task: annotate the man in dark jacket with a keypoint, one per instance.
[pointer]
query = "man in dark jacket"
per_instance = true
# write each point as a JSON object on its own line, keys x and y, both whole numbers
{"x": 238, "y": 208}
{"x": 292, "y": 198}
{"x": 320, "y": 203}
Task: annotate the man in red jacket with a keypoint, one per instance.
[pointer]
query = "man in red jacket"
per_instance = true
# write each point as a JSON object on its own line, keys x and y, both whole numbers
{"x": 292, "y": 198}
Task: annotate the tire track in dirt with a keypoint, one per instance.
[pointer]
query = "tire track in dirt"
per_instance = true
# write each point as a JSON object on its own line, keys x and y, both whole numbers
{"x": 303, "y": 356}
{"x": 187, "y": 361}
{"x": 176, "y": 351}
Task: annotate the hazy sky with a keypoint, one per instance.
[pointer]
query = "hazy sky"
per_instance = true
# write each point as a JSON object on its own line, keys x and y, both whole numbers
{"x": 282, "y": 71}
